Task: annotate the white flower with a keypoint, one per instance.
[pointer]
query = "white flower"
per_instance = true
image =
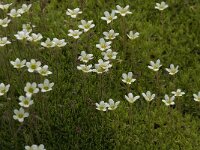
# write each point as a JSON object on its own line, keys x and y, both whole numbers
{"x": 33, "y": 65}
{"x": 85, "y": 68}
{"x": 5, "y": 6}
{"x": 161, "y": 6}
{"x": 109, "y": 54}
{"x": 22, "y": 35}
{"x": 102, "y": 106}
{"x": 15, "y": 13}
{"x": 4, "y": 41}
{"x": 73, "y": 13}
{"x": 133, "y": 36}
{"x": 155, "y": 66}
{"x": 85, "y": 57}
{"x": 110, "y": 35}
{"x": 130, "y": 98}
{"x": 169, "y": 100}
{"x": 197, "y": 97}
{"x": 46, "y": 86}
{"x": 4, "y": 89}
{"x": 18, "y": 63}
{"x": 109, "y": 17}
{"x": 102, "y": 66}
{"x": 35, "y": 147}
{"x": 25, "y": 8}
{"x": 31, "y": 88}
{"x": 148, "y": 96}
{"x": 20, "y": 114}
{"x": 44, "y": 71}
{"x": 112, "y": 105}
{"x": 4, "y": 22}
{"x": 103, "y": 45}
{"x": 98, "y": 69}
{"x": 59, "y": 43}
{"x": 178, "y": 92}
{"x": 35, "y": 37}
{"x": 123, "y": 11}
{"x": 74, "y": 33}
{"x": 27, "y": 27}
{"x": 25, "y": 101}
{"x": 86, "y": 26}
{"x": 48, "y": 43}
{"x": 128, "y": 78}
{"x": 172, "y": 70}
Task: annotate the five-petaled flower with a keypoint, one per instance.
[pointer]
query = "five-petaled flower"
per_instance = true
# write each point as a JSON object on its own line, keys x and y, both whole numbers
{"x": 84, "y": 57}
{"x": 172, "y": 70}
{"x": 86, "y": 25}
{"x": 4, "y": 89}
{"x": 73, "y": 13}
{"x": 112, "y": 105}
{"x": 18, "y": 63}
{"x": 31, "y": 88}
{"x": 22, "y": 35}
{"x": 169, "y": 100}
{"x": 109, "y": 54}
{"x": 128, "y": 78}
{"x": 130, "y": 98}
{"x": 161, "y": 6}
{"x": 109, "y": 17}
{"x": 4, "y": 22}
{"x": 34, "y": 37}
{"x": 178, "y": 92}
{"x": 197, "y": 97}
{"x": 85, "y": 68}
{"x": 4, "y": 41}
{"x": 102, "y": 106}
{"x": 123, "y": 11}
{"x": 103, "y": 45}
{"x": 110, "y": 35}
{"x": 33, "y": 65}
{"x": 46, "y": 86}
{"x": 20, "y": 114}
{"x": 74, "y": 33}
{"x": 48, "y": 43}
{"x": 155, "y": 66}
{"x": 59, "y": 43}
{"x": 25, "y": 101}
{"x": 44, "y": 71}
{"x": 132, "y": 35}
{"x": 148, "y": 96}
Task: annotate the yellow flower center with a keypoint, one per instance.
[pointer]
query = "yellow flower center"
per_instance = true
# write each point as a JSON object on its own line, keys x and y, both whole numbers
{"x": 31, "y": 90}
{"x": 20, "y": 115}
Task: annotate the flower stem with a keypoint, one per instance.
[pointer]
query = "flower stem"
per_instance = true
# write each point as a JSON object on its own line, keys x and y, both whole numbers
{"x": 157, "y": 86}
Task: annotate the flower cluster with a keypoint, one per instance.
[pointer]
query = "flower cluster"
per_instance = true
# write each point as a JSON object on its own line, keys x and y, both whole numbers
{"x": 31, "y": 88}
{"x": 26, "y": 101}
{"x": 155, "y": 66}
{"x": 103, "y": 106}
{"x": 32, "y": 66}
{"x": 13, "y": 13}
{"x": 35, "y": 147}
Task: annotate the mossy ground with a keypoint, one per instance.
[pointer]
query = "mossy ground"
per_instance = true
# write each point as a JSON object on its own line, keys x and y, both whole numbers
{"x": 66, "y": 118}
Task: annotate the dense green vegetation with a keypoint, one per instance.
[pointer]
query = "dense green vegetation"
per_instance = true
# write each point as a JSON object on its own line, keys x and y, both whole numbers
{"x": 66, "y": 117}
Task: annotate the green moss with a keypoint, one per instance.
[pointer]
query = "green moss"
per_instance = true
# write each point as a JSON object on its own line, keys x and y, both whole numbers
{"x": 66, "y": 118}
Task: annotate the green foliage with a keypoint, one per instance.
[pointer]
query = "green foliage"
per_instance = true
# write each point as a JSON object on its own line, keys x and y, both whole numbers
{"x": 66, "y": 118}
